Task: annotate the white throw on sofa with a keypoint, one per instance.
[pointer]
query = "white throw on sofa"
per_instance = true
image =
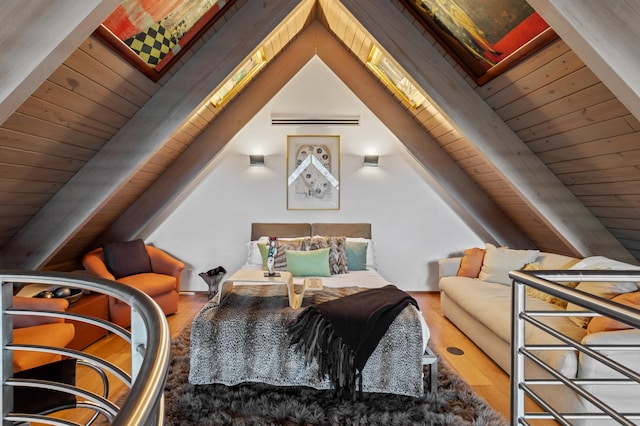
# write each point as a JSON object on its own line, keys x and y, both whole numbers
{"x": 480, "y": 307}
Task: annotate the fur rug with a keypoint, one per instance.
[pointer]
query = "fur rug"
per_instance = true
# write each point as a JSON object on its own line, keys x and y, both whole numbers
{"x": 260, "y": 404}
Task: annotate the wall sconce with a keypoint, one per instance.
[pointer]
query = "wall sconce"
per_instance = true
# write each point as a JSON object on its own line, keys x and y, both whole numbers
{"x": 256, "y": 160}
{"x": 370, "y": 161}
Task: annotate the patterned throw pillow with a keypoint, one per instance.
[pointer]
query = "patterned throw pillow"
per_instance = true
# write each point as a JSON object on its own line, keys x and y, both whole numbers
{"x": 280, "y": 261}
{"x": 337, "y": 251}
{"x": 537, "y": 266}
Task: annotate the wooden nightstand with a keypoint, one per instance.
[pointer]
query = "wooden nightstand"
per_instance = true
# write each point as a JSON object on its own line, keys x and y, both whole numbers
{"x": 95, "y": 305}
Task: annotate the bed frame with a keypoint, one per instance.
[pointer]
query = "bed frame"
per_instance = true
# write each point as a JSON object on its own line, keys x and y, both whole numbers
{"x": 293, "y": 230}
{"x": 354, "y": 230}
{"x": 207, "y": 365}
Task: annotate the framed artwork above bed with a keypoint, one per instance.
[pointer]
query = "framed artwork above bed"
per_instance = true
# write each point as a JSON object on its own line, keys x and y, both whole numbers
{"x": 313, "y": 172}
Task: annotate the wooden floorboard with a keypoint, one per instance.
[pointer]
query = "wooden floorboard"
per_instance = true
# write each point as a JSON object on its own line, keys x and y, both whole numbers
{"x": 473, "y": 365}
{"x": 488, "y": 380}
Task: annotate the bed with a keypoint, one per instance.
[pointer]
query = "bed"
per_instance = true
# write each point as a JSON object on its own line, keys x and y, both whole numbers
{"x": 242, "y": 337}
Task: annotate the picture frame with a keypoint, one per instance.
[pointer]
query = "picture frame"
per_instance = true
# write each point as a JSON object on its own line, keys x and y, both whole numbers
{"x": 313, "y": 172}
{"x": 152, "y": 36}
{"x": 491, "y": 37}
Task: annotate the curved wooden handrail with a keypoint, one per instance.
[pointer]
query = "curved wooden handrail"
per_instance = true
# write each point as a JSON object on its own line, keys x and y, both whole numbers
{"x": 149, "y": 337}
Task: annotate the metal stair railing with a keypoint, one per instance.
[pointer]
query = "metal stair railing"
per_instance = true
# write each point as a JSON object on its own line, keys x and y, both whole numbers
{"x": 149, "y": 339}
{"x": 521, "y": 385}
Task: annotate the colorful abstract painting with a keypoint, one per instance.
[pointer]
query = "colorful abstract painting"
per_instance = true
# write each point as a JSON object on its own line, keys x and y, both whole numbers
{"x": 485, "y": 36}
{"x": 152, "y": 33}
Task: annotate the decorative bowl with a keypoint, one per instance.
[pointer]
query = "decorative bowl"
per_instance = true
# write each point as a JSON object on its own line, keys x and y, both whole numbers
{"x": 76, "y": 294}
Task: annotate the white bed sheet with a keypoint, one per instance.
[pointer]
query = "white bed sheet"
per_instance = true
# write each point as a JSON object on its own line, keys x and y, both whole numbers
{"x": 369, "y": 278}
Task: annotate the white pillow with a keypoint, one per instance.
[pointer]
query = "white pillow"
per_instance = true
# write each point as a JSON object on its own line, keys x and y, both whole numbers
{"x": 254, "y": 258}
{"x": 371, "y": 254}
{"x": 601, "y": 262}
{"x": 607, "y": 290}
{"x": 498, "y": 262}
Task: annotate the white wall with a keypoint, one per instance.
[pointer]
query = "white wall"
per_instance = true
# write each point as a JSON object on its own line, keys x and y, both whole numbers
{"x": 411, "y": 225}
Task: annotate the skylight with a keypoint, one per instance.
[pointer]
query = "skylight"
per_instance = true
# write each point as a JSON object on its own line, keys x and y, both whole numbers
{"x": 382, "y": 65}
{"x": 240, "y": 78}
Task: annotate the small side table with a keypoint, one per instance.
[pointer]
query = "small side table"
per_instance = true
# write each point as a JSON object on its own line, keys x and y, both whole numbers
{"x": 95, "y": 305}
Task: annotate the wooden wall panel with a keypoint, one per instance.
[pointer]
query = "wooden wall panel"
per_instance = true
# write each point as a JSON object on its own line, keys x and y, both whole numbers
{"x": 581, "y": 132}
{"x": 137, "y": 89}
{"x": 575, "y": 125}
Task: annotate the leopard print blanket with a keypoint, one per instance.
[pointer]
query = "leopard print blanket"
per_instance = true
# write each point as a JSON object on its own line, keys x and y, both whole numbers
{"x": 244, "y": 339}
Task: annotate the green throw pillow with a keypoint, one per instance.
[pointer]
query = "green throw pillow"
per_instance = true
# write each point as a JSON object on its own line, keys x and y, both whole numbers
{"x": 264, "y": 252}
{"x": 308, "y": 263}
{"x": 357, "y": 255}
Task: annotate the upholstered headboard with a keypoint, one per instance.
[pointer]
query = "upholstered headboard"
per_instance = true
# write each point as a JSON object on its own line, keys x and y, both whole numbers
{"x": 292, "y": 230}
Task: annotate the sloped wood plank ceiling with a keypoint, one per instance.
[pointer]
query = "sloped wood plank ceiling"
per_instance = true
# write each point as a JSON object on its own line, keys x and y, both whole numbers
{"x": 551, "y": 101}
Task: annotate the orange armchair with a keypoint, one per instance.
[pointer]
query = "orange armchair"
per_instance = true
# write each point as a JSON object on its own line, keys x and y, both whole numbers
{"x": 162, "y": 284}
{"x": 36, "y": 330}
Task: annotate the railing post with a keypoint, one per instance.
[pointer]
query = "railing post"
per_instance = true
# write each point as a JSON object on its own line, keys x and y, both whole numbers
{"x": 517, "y": 359}
{"x": 6, "y": 299}
{"x": 138, "y": 342}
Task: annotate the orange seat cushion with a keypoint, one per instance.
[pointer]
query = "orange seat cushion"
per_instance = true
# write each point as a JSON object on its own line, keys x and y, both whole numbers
{"x": 57, "y": 335}
{"x": 598, "y": 324}
{"x": 151, "y": 284}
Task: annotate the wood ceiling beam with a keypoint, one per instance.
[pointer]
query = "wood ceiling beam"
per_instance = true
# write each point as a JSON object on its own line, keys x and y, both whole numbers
{"x": 142, "y": 136}
{"x": 36, "y": 36}
{"x": 465, "y": 109}
{"x": 605, "y": 35}
{"x": 150, "y": 209}
{"x": 451, "y": 183}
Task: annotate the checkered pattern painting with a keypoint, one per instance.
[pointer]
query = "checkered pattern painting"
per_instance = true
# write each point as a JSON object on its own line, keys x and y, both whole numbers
{"x": 151, "y": 45}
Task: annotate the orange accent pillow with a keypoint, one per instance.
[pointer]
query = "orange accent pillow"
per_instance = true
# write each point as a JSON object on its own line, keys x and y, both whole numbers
{"x": 471, "y": 263}
{"x": 598, "y": 324}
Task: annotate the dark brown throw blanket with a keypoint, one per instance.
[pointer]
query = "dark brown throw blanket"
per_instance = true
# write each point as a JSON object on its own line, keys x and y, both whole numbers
{"x": 341, "y": 334}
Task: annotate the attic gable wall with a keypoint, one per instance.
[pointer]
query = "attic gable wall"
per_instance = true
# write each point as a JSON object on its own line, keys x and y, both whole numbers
{"x": 41, "y": 144}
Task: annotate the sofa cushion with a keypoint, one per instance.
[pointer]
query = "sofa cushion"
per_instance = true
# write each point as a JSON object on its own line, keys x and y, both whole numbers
{"x": 57, "y": 335}
{"x": 490, "y": 303}
{"x": 551, "y": 261}
{"x": 471, "y": 262}
{"x": 606, "y": 290}
{"x": 598, "y": 324}
{"x": 151, "y": 283}
{"x": 498, "y": 261}
{"x": 546, "y": 297}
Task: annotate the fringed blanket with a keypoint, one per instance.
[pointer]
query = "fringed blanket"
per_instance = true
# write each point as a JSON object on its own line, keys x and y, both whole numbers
{"x": 245, "y": 339}
{"x": 341, "y": 334}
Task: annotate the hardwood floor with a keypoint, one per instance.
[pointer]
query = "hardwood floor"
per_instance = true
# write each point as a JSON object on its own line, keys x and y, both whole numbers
{"x": 488, "y": 380}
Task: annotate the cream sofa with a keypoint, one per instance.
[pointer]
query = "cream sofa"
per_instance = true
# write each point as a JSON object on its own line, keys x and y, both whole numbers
{"x": 482, "y": 311}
